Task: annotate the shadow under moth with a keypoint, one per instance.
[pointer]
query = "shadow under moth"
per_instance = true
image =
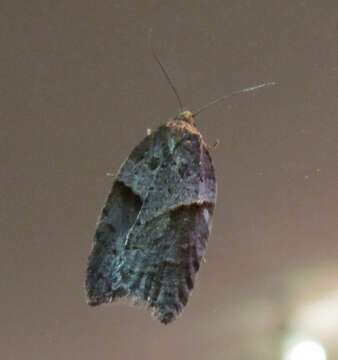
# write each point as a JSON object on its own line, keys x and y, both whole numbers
{"x": 153, "y": 229}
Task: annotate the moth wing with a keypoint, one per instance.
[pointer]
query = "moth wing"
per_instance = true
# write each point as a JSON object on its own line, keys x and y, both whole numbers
{"x": 171, "y": 196}
{"x": 117, "y": 216}
{"x": 160, "y": 266}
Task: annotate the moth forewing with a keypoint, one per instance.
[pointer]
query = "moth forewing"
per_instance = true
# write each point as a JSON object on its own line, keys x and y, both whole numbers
{"x": 162, "y": 202}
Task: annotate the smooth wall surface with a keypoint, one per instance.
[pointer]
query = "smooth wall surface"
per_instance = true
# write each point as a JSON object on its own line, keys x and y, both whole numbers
{"x": 79, "y": 88}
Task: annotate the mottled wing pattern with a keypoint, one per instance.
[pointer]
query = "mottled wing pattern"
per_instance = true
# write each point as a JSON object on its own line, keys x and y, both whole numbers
{"x": 153, "y": 229}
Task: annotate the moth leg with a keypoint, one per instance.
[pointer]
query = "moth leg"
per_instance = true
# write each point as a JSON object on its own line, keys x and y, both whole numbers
{"x": 214, "y": 145}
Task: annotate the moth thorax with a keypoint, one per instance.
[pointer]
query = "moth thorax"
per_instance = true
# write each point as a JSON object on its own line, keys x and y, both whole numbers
{"x": 187, "y": 116}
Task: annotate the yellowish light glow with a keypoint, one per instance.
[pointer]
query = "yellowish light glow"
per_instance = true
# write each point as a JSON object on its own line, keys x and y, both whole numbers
{"x": 319, "y": 318}
{"x": 306, "y": 350}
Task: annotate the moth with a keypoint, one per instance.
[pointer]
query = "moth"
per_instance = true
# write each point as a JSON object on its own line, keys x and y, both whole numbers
{"x": 153, "y": 229}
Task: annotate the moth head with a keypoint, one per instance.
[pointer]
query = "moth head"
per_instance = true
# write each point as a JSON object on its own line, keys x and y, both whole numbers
{"x": 187, "y": 116}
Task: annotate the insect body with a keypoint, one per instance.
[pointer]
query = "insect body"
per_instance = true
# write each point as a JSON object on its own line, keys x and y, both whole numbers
{"x": 153, "y": 229}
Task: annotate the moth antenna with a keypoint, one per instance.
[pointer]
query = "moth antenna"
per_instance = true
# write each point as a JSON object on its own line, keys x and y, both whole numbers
{"x": 237, "y": 92}
{"x": 157, "y": 59}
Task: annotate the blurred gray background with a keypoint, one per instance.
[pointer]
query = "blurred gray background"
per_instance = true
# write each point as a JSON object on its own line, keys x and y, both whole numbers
{"x": 79, "y": 88}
